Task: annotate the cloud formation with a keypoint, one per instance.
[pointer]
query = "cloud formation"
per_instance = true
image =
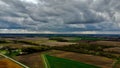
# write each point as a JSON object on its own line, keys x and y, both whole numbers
{"x": 60, "y": 15}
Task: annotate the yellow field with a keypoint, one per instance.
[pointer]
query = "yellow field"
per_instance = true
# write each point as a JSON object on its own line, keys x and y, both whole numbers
{"x": 6, "y": 63}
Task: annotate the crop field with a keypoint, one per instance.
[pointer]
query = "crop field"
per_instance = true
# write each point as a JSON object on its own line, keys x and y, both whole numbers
{"x": 6, "y": 63}
{"x": 102, "y": 62}
{"x": 32, "y": 60}
{"x": 107, "y": 43}
{"x": 55, "y": 62}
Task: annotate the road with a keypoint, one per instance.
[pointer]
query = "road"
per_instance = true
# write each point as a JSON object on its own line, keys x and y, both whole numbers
{"x": 14, "y": 61}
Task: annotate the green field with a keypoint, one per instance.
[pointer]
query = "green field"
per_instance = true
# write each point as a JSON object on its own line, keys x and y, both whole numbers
{"x": 55, "y": 62}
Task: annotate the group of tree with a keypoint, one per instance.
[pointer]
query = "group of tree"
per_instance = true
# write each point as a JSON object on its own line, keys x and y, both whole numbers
{"x": 4, "y": 41}
{"x": 40, "y": 48}
{"x": 59, "y": 39}
{"x": 25, "y": 42}
{"x": 86, "y": 48}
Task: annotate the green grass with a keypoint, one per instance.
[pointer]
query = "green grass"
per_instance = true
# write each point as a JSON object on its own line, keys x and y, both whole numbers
{"x": 3, "y": 51}
{"x": 55, "y": 62}
{"x": 10, "y": 54}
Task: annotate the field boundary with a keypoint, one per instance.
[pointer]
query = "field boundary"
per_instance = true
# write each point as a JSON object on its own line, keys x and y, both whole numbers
{"x": 15, "y": 61}
{"x": 46, "y": 63}
{"x": 117, "y": 62}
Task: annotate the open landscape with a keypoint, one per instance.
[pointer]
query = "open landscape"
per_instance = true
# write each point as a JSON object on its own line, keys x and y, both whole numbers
{"x": 59, "y": 33}
{"x": 48, "y": 52}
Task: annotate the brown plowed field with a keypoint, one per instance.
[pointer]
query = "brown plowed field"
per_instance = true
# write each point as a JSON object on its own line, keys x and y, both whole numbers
{"x": 90, "y": 59}
{"x": 107, "y": 43}
{"x": 31, "y": 60}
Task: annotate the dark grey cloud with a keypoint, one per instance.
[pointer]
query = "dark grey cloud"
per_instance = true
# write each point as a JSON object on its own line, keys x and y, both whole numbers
{"x": 59, "y": 15}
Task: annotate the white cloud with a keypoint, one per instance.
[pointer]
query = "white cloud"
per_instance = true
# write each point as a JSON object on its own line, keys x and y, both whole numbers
{"x": 31, "y": 1}
{"x": 15, "y": 31}
{"x": 24, "y": 31}
{"x": 77, "y": 26}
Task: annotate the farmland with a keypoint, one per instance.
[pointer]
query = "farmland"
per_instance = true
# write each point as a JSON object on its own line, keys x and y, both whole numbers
{"x": 91, "y": 59}
{"x": 98, "y": 52}
{"x": 6, "y": 63}
{"x": 33, "y": 60}
{"x": 55, "y": 62}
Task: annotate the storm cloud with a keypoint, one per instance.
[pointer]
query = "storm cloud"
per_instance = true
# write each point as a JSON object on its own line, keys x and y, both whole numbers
{"x": 60, "y": 15}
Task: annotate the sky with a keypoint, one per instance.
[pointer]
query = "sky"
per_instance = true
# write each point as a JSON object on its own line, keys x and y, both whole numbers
{"x": 60, "y": 16}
